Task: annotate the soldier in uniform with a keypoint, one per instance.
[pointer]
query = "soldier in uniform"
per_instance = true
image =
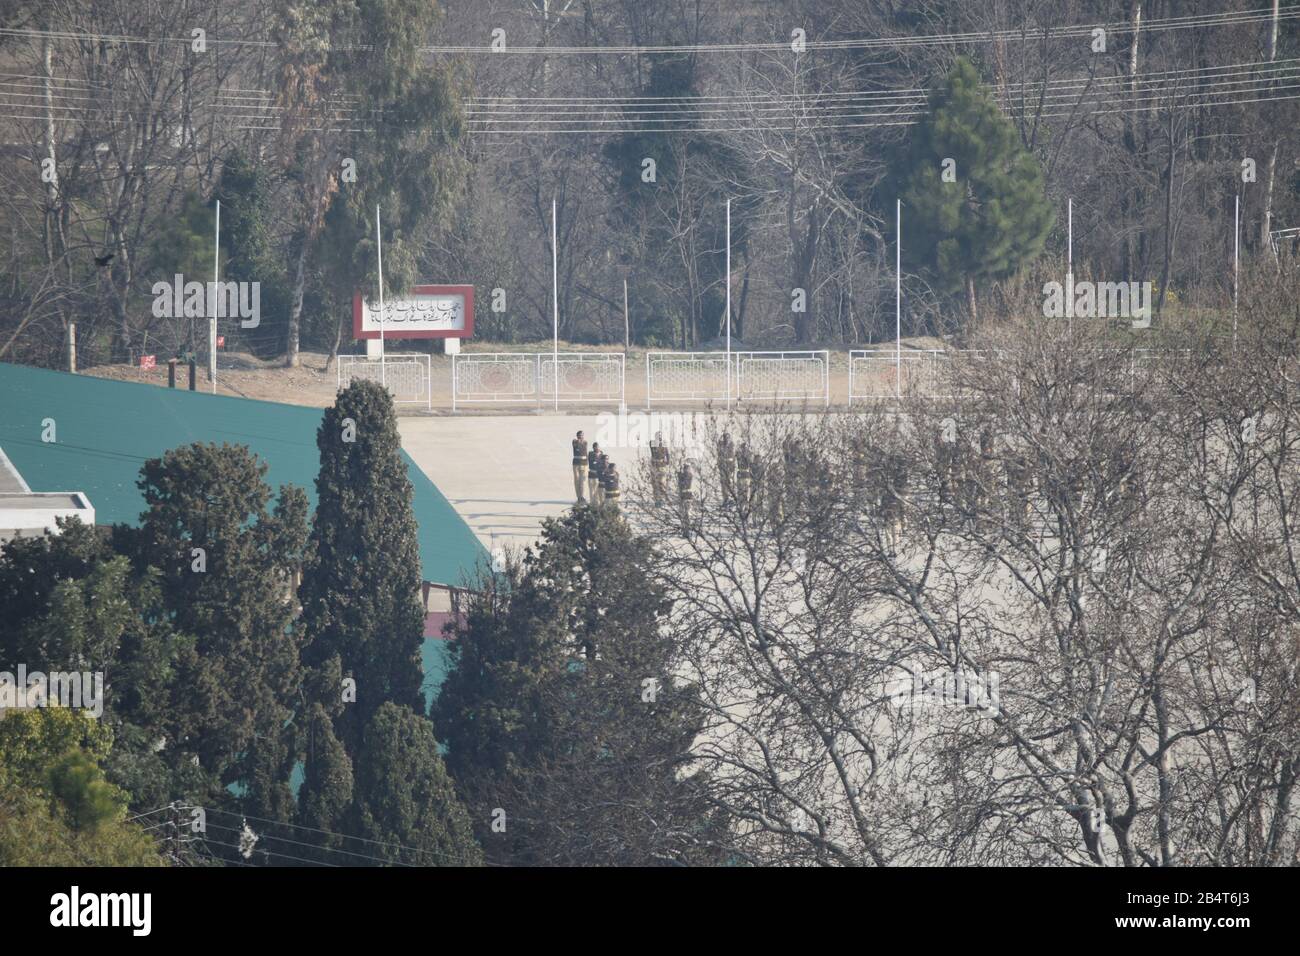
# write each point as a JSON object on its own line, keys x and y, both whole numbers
{"x": 793, "y": 463}
{"x": 1019, "y": 488}
{"x": 659, "y": 464}
{"x": 894, "y": 498}
{"x": 609, "y": 482}
{"x": 685, "y": 496}
{"x": 580, "y": 468}
{"x": 595, "y": 465}
{"x": 744, "y": 472}
{"x": 758, "y": 474}
{"x": 727, "y": 466}
{"x": 946, "y": 459}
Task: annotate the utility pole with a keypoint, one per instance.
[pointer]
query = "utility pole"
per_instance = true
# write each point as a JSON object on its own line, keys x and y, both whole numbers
{"x": 555, "y": 301}
{"x": 1236, "y": 263}
{"x": 898, "y": 298}
{"x": 379, "y": 249}
{"x": 726, "y": 319}
{"x": 212, "y": 323}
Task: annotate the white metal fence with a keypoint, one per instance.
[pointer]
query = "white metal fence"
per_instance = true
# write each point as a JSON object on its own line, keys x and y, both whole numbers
{"x": 408, "y": 377}
{"x": 582, "y": 377}
{"x": 883, "y": 373}
{"x": 685, "y": 376}
{"x": 784, "y": 376}
{"x": 500, "y": 377}
{"x": 707, "y": 376}
{"x": 534, "y": 377}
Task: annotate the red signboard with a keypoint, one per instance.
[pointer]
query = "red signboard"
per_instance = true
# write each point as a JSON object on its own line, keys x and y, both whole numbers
{"x": 425, "y": 312}
{"x": 148, "y": 361}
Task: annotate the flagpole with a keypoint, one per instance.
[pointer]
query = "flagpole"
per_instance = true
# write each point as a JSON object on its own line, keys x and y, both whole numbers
{"x": 1069, "y": 257}
{"x": 1236, "y": 261}
{"x": 898, "y": 298}
{"x": 555, "y": 301}
{"x": 379, "y": 248}
{"x": 727, "y": 318}
{"x": 212, "y": 324}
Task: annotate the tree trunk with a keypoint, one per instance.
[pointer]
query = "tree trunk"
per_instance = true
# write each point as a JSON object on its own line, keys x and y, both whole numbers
{"x": 295, "y": 309}
{"x": 1266, "y": 218}
{"x": 970, "y": 299}
{"x": 1169, "y": 217}
{"x": 805, "y": 323}
{"x": 1131, "y": 200}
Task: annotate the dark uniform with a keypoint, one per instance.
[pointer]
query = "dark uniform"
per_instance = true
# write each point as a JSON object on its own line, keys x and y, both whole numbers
{"x": 946, "y": 455}
{"x": 609, "y": 483}
{"x": 1019, "y": 488}
{"x": 794, "y": 463}
{"x": 727, "y": 466}
{"x": 744, "y": 472}
{"x": 580, "y": 469}
{"x": 684, "y": 496}
{"x": 894, "y": 497}
{"x": 659, "y": 464}
{"x": 595, "y": 465}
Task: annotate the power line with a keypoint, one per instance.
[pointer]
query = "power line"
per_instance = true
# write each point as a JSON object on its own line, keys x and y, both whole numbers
{"x": 672, "y": 120}
{"x": 311, "y": 846}
{"x": 299, "y": 826}
{"x": 1234, "y": 18}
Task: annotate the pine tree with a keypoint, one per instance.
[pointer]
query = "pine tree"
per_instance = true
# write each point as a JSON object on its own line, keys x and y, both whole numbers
{"x": 562, "y": 710}
{"x": 406, "y": 809}
{"x": 226, "y": 565}
{"x": 361, "y": 591}
{"x": 974, "y": 205}
{"x": 326, "y": 793}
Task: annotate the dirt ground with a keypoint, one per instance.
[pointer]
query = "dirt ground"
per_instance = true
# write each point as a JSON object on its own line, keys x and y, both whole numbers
{"x": 247, "y": 376}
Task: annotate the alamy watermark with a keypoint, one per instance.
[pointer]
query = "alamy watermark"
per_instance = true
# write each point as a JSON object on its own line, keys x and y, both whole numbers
{"x": 942, "y": 687}
{"x": 626, "y": 429}
{"x": 1098, "y": 300}
{"x": 179, "y": 299}
{"x": 74, "y": 690}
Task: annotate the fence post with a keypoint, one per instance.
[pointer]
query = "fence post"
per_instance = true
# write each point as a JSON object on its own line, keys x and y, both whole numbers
{"x": 193, "y": 373}
{"x": 171, "y": 373}
{"x": 72, "y": 347}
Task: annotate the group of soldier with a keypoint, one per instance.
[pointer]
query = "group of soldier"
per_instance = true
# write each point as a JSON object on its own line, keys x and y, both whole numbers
{"x": 970, "y": 473}
{"x": 595, "y": 477}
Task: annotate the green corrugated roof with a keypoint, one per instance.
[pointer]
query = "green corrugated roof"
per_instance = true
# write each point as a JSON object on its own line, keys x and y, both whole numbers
{"x": 107, "y": 429}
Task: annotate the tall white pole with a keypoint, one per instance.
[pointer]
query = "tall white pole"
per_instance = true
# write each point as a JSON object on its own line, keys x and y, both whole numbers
{"x": 555, "y": 301}
{"x": 627, "y": 328}
{"x": 898, "y": 298}
{"x": 726, "y": 319}
{"x": 379, "y": 249}
{"x": 1069, "y": 243}
{"x": 1069, "y": 257}
{"x": 212, "y": 323}
{"x": 1236, "y": 262}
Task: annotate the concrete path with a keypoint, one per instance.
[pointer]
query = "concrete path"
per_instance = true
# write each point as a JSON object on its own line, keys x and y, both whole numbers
{"x": 502, "y": 474}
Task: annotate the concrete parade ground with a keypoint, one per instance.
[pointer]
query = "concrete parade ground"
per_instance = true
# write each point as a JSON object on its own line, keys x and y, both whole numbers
{"x": 503, "y": 474}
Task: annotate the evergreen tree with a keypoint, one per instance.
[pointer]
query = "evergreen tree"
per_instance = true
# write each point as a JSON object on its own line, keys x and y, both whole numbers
{"x": 70, "y": 601}
{"x": 226, "y": 567}
{"x": 993, "y": 215}
{"x": 248, "y": 252}
{"x": 562, "y": 709}
{"x": 56, "y": 806}
{"x": 368, "y": 51}
{"x": 679, "y": 291}
{"x": 326, "y": 793}
{"x": 361, "y": 591}
{"x": 406, "y": 809}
